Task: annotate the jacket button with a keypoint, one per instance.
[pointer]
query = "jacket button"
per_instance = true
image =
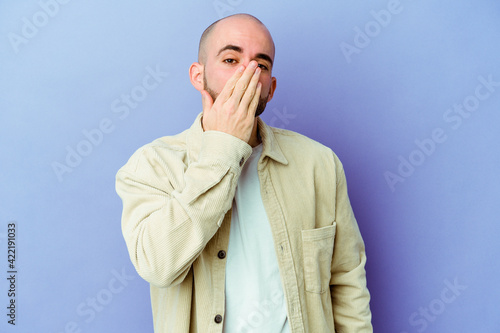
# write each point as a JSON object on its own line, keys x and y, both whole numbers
{"x": 242, "y": 160}
{"x": 218, "y": 319}
{"x": 221, "y": 254}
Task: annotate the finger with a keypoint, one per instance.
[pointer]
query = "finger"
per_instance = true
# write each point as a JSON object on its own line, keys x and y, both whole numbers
{"x": 250, "y": 91}
{"x": 227, "y": 91}
{"x": 243, "y": 82}
{"x": 206, "y": 101}
{"x": 255, "y": 101}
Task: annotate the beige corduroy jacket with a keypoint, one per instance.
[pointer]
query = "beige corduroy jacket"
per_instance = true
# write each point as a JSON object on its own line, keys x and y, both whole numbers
{"x": 177, "y": 194}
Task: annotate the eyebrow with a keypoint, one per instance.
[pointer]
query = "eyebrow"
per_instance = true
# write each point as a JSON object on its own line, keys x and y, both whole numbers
{"x": 238, "y": 49}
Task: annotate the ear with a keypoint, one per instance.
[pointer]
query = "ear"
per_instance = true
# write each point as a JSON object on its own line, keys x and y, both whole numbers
{"x": 196, "y": 75}
{"x": 272, "y": 89}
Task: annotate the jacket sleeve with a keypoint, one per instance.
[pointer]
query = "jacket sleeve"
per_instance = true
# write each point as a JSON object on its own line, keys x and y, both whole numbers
{"x": 350, "y": 296}
{"x": 171, "y": 210}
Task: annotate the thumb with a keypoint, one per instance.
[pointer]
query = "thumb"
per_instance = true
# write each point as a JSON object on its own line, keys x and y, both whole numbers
{"x": 206, "y": 100}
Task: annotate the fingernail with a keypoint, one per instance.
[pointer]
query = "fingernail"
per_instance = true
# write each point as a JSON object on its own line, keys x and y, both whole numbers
{"x": 253, "y": 64}
{"x": 242, "y": 68}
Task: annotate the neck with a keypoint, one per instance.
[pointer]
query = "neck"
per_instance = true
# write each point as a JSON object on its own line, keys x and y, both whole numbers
{"x": 255, "y": 137}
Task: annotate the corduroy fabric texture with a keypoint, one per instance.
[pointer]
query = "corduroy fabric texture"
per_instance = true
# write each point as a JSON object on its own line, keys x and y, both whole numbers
{"x": 177, "y": 195}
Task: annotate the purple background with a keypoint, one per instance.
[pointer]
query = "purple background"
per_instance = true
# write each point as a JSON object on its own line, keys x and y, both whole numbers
{"x": 366, "y": 84}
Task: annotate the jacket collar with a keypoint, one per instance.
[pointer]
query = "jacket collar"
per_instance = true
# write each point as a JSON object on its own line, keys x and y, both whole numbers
{"x": 270, "y": 149}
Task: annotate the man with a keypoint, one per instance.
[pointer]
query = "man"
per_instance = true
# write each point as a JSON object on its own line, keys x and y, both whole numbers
{"x": 237, "y": 226}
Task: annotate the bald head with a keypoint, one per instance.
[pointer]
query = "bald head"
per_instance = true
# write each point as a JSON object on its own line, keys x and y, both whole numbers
{"x": 220, "y": 24}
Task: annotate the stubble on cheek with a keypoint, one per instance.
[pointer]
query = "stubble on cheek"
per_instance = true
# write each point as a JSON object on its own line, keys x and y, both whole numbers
{"x": 212, "y": 93}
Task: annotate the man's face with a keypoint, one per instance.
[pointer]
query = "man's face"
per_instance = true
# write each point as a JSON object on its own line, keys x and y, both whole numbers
{"x": 235, "y": 42}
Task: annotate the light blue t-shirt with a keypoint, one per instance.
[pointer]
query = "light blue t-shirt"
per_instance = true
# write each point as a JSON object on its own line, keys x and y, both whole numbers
{"x": 254, "y": 292}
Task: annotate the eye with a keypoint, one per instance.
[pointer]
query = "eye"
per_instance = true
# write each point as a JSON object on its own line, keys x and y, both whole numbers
{"x": 263, "y": 67}
{"x": 230, "y": 61}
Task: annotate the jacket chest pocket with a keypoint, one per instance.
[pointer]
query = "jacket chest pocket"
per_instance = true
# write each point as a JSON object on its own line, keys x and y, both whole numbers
{"x": 317, "y": 248}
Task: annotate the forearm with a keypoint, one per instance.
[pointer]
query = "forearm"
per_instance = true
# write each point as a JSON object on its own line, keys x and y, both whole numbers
{"x": 350, "y": 300}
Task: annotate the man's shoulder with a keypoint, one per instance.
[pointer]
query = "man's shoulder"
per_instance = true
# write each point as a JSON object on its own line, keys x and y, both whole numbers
{"x": 295, "y": 143}
{"x": 167, "y": 144}
{"x": 301, "y": 150}
{"x": 176, "y": 142}
{"x": 305, "y": 154}
{"x": 169, "y": 149}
